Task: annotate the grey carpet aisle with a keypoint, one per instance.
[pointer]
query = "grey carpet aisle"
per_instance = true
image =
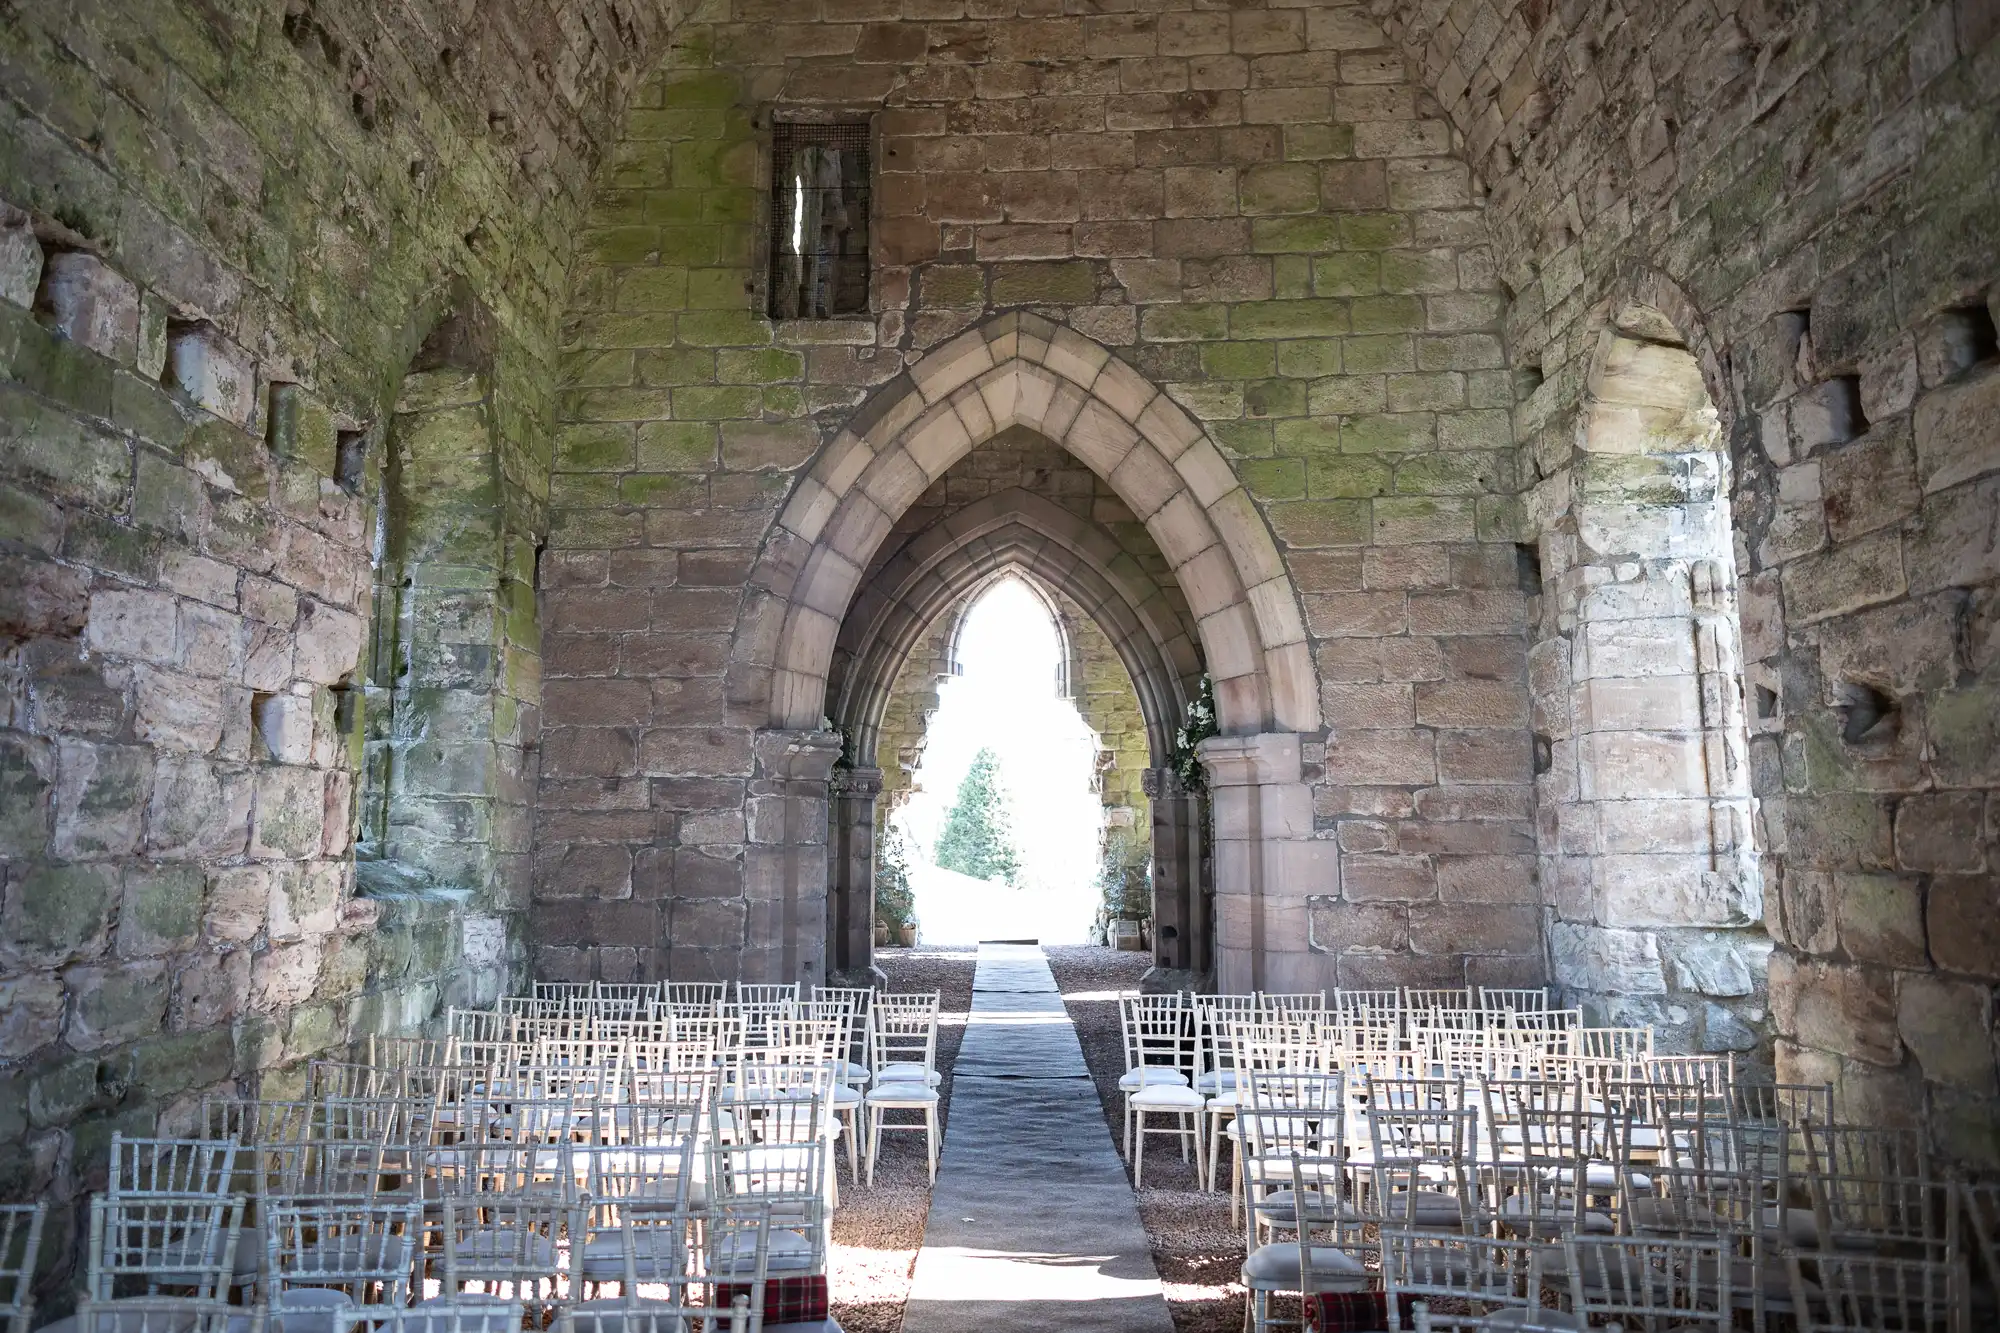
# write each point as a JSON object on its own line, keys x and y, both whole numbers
{"x": 1032, "y": 1223}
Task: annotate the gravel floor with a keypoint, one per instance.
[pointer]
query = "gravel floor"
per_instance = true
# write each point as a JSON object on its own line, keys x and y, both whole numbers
{"x": 1198, "y": 1252}
{"x": 877, "y": 1232}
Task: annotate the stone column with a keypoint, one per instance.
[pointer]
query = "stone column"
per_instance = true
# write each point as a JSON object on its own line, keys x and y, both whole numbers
{"x": 1178, "y": 920}
{"x": 785, "y": 861}
{"x": 1267, "y": 865}
{"x": 850, "y": 914}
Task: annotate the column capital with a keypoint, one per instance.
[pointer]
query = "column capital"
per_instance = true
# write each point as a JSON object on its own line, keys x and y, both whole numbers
{"x": 862, "y": 782}
{"x": 1161, "y": 783}
{"x": 796, "y": 755}
{"x": 1270, "y": 758}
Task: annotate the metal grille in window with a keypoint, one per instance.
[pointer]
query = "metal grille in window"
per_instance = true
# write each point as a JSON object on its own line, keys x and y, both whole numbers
{"x": 819, "y": 220}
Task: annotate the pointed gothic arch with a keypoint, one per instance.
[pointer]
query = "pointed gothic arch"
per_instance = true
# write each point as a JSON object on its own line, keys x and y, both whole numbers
{"x": 1019, "y": 369}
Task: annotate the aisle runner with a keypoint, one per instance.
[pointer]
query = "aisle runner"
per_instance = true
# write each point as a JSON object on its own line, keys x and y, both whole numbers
{"x": 1032, "y": 1224}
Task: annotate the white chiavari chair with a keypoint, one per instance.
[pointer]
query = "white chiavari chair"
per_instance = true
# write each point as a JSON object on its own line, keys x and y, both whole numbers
{"x": 904, "y": 1035}
{"x": 20, "y": 1244}
{"x": 1156, "y": 1081}
{"x": 1435, "y": 1280}
{"x": 329, "y": 1261}
{"x": 1651, "y": 1284}
{"x": 1872, "y": 1293}
{"x": 1215, "y": 1072}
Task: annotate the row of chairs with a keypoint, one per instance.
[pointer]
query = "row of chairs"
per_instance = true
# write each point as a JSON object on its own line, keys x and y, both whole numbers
{"x": 533, "y": 1156}
{"x": 1542, "y": 1138}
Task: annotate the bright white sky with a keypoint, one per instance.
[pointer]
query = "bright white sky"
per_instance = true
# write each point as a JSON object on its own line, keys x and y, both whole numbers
{"x": 1007, "y": 700}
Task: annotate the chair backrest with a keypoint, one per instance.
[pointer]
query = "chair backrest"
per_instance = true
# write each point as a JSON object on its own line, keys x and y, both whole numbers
{"x": 20, "y": 1242}
{"x": 185, "y": 1238}
{"x": 1652, "y": 1283}
{"x": 506, "y": 1238}
{"x": 248, "y": 1120}
{"x": 480, "y": 1024}
{"x": 767, "y": 993}
{"x": 364, "y": 1248}
{"x": 563, "y": 992}
{"x": 1383, "y": 1003}
{"x": 1156, "y": 1030}
{"x": 1849, "y": 1292}
{"x": 1214, "y": 1052}
{"x": 1875, "y": 1185}
{"x": 1514, "y": 999}
{"x": 1290, "y": 1005}
{"x": 142, "y": 1167}
{"x": 642, "y": 1180}
{"x": 903, "y": 1031}
{"x": 487, "y": 1167}
{"x": 1475, "y": 1274}
{"x": 687, "y": 994}
{"x": 625, "y": 999}
{"x": 1630, "y": 1045}
{"x": 1418, "y": 1000}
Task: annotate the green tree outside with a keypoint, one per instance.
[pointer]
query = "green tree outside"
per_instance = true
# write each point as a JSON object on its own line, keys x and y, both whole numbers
{"x": 978, "y": 837}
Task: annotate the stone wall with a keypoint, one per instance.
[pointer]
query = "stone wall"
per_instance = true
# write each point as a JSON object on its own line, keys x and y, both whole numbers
{"x": 1259, "y": 209}
{"x": 226, "y": 231}
{"x": 1804, "y": 191}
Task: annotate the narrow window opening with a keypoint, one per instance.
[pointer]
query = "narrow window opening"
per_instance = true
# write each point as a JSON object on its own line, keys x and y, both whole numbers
{"x": 821, "y": 179}
{"x": 350, "y": 459}
{"x": 1969, "y": 337}
{"x": 1767, "y": 703}
{"x": 1870, "y": 715}
{"x": 1528, "y": 567}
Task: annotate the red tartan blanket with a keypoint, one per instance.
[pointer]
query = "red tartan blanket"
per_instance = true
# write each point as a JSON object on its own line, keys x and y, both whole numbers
{"x": 787, "y": 1300}
{"x": 1355, "y": 1312}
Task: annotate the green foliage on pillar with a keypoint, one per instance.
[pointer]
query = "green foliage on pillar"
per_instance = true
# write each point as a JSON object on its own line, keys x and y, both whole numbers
{"x": 978, "y": 837}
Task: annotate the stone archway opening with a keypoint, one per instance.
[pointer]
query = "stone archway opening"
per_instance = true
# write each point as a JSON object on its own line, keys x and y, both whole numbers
{"x": 1033, "y": 702}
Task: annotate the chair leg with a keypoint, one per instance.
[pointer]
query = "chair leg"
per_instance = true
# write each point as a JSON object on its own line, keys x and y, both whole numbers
{"x": 1181, "y": 1133}
{"x": 1139, "y": 1161}
{"x": 931, "y": 1144}
{"x": 874, "y": 1141}
{"x": 854, "y": 1145}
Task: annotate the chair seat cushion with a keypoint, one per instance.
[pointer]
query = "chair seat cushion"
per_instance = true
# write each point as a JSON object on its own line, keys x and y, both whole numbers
{"x": 313, "y": 1310}
{"x": 1216, "y": 1081}
{"x": 1281, "y": 1206}
{"x": 788, "y": 1252}
{"x": 1165, "y": 1097}
{"x": 902, "y": 1094}
{"x": 907, "y": 1072}
{"x": 1276, "y": 1267}
{"x": 1147, "y": 1075}
{"x": 378, "y": 1253}
{"x": 655, "y": 1256}
{"x": 506, "y": 1247}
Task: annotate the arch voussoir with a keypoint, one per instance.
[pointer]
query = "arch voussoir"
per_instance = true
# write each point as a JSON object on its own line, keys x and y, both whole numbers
{"x": 1021, "y": 370}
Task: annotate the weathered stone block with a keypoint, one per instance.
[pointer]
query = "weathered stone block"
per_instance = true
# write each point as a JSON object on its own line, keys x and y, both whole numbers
{"x": 115, "y": 1003}
{"x": 20, "y": 257}
{"x": 215, "y": 374}
{"x": 31, "y": 1011}
{"x": 199, "y": 809}
{"x": 161, "y": 911}
{"x": 92, "y": 304}
{"x": 101, "y": 793}
{"x": 1954, "y": 432}
{"x": 1948, "y": 1026}
{"x": 1591, "y": 959}
{"x": 290, "y": 808}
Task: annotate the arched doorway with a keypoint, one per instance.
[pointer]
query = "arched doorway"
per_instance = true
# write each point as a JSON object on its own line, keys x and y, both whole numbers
{"x": 1018, "y": 370}
{"x": 1643, "y": 731}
